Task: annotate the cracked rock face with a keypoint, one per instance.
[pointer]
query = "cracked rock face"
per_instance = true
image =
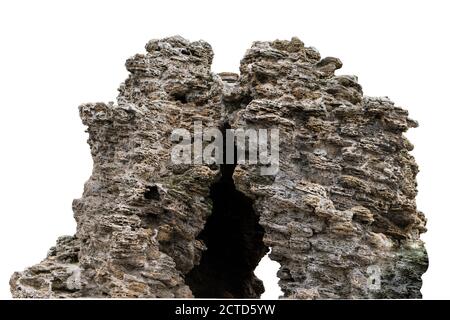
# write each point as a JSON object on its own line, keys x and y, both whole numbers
{"x": 340, "y": 210}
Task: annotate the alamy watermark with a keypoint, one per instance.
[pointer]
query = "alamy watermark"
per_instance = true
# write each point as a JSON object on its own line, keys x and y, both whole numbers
{"x": 238, "y": 146}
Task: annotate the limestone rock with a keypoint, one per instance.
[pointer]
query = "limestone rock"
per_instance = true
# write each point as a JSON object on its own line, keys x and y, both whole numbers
{"x": 341, "y": 205}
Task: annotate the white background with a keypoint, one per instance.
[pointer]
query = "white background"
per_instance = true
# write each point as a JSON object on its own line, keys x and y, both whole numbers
{"x": 55, "y": 55}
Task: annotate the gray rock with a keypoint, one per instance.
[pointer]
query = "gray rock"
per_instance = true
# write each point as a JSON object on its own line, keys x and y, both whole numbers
{"x": 341, "y": 207}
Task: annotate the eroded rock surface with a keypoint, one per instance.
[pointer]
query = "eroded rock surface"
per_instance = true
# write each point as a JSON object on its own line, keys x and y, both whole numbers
{"x": 341, "y": 205}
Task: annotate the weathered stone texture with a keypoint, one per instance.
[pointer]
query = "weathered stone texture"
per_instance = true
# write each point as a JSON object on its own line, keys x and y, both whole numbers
{"x": 343, "y": 200}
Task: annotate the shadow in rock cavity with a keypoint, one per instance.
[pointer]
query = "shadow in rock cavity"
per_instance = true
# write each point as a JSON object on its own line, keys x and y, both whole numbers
{"x": 233, "y": 238}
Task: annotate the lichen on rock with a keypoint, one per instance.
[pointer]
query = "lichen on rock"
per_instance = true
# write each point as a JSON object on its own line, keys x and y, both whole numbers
{"x": 341, "y": 205}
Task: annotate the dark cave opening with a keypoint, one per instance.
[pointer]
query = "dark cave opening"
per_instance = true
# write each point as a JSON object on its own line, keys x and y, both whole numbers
{"x": 151, "y": 193}
{"x": 234, "y": 241}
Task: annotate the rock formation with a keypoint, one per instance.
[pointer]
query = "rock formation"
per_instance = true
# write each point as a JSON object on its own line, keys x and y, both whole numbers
{"x": 341, "y": 207}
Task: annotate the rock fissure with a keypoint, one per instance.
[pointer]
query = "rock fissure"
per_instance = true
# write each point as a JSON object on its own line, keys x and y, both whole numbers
{"x": 233, "y": 238}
